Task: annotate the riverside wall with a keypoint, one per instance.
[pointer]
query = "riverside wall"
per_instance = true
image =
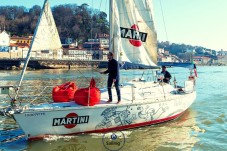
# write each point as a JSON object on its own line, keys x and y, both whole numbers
{"x": 11, "y": 64}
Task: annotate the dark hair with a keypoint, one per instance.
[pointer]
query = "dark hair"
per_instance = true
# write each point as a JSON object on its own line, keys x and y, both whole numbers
{"x": 163, "y": 66}
{"x": 110, "y": 53}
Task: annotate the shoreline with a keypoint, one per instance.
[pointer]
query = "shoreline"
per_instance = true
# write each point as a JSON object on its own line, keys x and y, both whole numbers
{"x": 17, "y": 64}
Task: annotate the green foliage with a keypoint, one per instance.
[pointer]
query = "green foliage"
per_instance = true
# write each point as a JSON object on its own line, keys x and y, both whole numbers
{"x": 78, "y": 22}
{"x": 178, "y": 49}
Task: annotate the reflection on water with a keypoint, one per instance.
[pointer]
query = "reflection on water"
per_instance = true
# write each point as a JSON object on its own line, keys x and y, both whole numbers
{"x": 76, "y": 143}
{"x": 202, "y": 127}
{"x": 180, "y": 134}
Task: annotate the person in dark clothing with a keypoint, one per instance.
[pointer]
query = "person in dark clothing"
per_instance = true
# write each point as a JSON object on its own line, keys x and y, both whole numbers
{"x": 167, "y": 75}
{"x": 113, "y": 77}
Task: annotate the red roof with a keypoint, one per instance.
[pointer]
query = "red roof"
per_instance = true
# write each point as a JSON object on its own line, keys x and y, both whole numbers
{"x": 21, "y": 45}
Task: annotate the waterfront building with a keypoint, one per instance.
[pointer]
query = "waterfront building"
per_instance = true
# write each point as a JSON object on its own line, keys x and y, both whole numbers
{"x": 19, "y": 50}
{"x": 161, "y": 50}
{"x": 21, "y": 40}
{"x": 4, "y": 41}
{"x": 164, "y": 58}
{"x": 101, "y": 43}
{"x": 203, "y": 60}
{"x": 77, "y": 54}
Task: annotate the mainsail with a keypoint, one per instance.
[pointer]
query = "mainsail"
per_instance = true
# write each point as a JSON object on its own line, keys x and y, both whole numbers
{"x": 46, "y": 37}
{"x": 132, "y": 33}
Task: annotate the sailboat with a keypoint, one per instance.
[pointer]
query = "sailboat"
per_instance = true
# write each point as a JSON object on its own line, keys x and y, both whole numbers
{"x": 133, "y": 40}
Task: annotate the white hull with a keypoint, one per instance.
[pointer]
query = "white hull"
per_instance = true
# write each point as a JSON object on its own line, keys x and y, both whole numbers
{"x": 150, "y": 106}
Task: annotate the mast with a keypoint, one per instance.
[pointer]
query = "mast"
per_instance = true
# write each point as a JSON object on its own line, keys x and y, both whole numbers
{"x": 29, "y": 52}
{"x": 111, "y": 37}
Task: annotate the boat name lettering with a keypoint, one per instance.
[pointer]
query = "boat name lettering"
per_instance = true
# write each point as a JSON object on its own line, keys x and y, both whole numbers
{"x": 34, "y": 114}
{"x": 70, "y": 120}
{"x": 130, "y": 33}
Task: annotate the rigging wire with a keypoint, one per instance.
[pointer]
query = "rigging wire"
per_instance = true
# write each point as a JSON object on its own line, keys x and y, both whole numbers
{"x": 100, "y": 5}
{"x": 163, "y": 19}
{"x": 91, "y": 47}
{"x": 91, "y": 32}
{"x": 106, "y": 5}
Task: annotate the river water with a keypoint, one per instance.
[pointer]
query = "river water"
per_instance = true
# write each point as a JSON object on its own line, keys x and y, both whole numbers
{"x": 202, "y": 127}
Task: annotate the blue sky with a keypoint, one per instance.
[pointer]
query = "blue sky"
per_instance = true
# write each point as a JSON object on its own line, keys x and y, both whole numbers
{"x": 194, "y": 22}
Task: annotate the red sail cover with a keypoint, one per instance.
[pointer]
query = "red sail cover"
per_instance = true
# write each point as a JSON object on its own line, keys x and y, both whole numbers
{"x": 88, "y": 98}
{"x": 64, "y": 92}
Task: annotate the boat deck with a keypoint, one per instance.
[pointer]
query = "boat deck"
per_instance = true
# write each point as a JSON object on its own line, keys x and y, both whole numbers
{"x": 131, "y": 93}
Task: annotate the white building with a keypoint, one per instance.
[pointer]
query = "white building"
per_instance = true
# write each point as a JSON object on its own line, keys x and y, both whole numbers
{"x": 104, "y": 43}
{"x": 161, "y": 50}
{"x": 77, "y": 54}
{"x": 4, "y": 41}
{"x": 47, "y": 54}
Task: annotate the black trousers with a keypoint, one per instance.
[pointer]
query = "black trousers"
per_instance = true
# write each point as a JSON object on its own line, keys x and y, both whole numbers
{"x": 109, "y": 85}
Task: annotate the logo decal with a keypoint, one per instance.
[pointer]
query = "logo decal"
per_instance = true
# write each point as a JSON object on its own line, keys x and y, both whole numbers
{"x": 71, "y": 120}
{"x": 113, "y": 141}
{"x": 136, "y": 37}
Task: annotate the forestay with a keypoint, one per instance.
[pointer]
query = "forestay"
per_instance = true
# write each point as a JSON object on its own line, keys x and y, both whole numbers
{"x": 46, "y": 37}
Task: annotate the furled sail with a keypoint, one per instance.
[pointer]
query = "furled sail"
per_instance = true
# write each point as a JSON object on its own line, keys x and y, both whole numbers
{"x": 132, "y": 33}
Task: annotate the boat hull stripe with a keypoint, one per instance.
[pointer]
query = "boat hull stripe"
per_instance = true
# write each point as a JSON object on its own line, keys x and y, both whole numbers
{"x": 116, "y": 128}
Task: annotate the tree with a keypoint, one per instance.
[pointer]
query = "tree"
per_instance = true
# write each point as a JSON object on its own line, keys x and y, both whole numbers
{"x": 79, "y": 22}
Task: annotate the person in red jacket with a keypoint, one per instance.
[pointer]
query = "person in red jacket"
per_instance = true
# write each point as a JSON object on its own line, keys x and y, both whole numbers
{"x": 113, "y": 77}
